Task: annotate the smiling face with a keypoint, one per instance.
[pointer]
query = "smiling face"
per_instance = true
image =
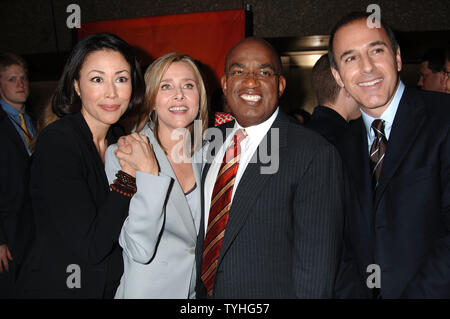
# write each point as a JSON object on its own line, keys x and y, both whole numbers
{"x": 252, "y": 100}
{"x": 104, "y": 87}
{"x": 14, "y": 86}
{"x": 366, "y": 65}
{"x": 178, "y": 98}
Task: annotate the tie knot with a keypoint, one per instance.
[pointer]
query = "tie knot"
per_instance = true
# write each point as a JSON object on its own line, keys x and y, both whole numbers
{"x": 240, "y": 135}
{"x": 378, "y": 127}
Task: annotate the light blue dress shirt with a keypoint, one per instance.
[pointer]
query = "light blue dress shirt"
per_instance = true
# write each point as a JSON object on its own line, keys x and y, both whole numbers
{"x": 387, "y": 116}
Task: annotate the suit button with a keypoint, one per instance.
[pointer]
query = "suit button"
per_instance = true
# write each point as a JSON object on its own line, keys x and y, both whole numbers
{"x": 192, "y": 251}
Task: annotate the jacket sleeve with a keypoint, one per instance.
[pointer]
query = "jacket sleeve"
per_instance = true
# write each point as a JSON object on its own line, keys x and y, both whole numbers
{"x": 62, "y": 197}
{"x": 318, "y": 225}
{"x": 143, "y": 227}
{"x": 348, "y": 283}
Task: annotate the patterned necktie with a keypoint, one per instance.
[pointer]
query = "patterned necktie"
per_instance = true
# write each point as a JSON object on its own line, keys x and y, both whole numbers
{"x": 219, "y": 210}
{"x": 377, "y": 150}
{"x": 26, "y": 133}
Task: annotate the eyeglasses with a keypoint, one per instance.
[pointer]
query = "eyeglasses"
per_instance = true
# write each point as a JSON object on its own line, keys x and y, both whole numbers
{"x": 258, "y": 75}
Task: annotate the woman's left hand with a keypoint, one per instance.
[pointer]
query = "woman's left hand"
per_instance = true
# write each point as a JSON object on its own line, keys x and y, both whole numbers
{"x": 137, "y": 152}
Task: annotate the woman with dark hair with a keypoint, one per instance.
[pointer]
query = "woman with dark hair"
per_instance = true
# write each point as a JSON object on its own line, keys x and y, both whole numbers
{"x": 77, "y": 217}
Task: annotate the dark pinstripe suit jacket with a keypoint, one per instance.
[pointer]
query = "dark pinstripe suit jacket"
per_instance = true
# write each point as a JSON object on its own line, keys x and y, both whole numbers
{"x": 284, "y": 233}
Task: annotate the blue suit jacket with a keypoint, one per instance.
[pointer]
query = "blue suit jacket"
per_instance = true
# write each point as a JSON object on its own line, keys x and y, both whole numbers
{"x": 404, "y": 226}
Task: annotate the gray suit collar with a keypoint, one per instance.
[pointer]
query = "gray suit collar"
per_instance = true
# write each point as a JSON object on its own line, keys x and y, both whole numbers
{"x": 165, "y": 168}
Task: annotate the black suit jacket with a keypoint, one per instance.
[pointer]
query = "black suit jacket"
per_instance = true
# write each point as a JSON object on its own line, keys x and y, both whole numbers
{"x": 78, "y": 219}
{"x": 328, "y": 123}
{"x": 15, "y": 218}
{"x": 284, "y": 232}
{"x": 404, "y": 227}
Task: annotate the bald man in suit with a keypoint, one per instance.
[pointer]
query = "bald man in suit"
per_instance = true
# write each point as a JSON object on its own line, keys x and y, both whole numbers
{"x": 278, "y": 233}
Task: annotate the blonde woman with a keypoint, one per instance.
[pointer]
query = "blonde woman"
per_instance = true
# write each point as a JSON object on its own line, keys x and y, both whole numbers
{"x": 159, "y": 236}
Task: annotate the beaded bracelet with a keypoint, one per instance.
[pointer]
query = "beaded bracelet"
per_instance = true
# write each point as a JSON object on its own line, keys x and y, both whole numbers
{"x": 125, "y": 184}
{"x": 126, "y": 178}
{"x": 124, "y": 193}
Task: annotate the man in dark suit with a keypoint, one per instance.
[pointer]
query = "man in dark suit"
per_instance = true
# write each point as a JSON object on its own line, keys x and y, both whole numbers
{"x": 398, "y": 160}
{"x": 16, "y": 132}
{"x": 432, "y": 75}
{"x": 336, "y": 106}
{"x": 267, "y": 231}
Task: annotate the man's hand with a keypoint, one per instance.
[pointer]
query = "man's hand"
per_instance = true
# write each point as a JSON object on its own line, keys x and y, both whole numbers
{"x": 5, "y": 254}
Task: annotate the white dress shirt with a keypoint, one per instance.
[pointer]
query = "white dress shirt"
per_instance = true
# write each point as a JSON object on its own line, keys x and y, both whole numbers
{"x": 255, "y": 134}
{"x": 387, "y": 116}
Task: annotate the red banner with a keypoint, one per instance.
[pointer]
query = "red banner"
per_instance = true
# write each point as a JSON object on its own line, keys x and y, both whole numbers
{"x": 206, "y": 36}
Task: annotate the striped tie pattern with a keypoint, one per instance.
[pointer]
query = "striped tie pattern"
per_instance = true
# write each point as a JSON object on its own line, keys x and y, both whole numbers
{"x": 219, "y": 210}
{"x": 377, "y": 150}
{"x": 26, "y": 133}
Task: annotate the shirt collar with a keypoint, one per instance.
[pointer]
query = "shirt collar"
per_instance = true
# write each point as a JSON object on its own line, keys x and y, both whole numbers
{"x": 8, "y": 108}
{"x": 388, "y": 114}
{"x": 257, "y": 132}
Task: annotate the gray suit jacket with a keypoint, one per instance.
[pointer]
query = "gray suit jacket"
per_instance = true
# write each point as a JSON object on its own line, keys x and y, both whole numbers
{"x": 159, "y": 235}
{"x": 284, "y": 232}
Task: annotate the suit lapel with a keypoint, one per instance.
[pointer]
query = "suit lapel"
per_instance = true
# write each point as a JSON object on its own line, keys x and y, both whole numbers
{"x": 210, "y": 153}
{"x": 180, "y": 203}
{"x": 250, "y": 185}
{"x": 356, "y": 154}
{"x": 197, "y": 167}
{"x": 408, "y": 123}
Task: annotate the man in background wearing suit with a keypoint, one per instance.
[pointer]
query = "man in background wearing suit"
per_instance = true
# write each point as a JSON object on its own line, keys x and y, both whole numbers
{"x": 432, "y": 73}
{"x": 398, "y": 159}
{"x": 336, "y": 106}
{"x": 267, "y": 234}
{"x": 16, "y": 133}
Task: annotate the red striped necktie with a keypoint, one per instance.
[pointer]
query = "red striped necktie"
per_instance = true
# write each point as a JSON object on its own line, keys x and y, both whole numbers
{"x": 219, "y": 210}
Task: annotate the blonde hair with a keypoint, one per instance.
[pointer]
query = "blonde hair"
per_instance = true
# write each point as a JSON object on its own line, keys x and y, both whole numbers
{"x": 153, "y": 77}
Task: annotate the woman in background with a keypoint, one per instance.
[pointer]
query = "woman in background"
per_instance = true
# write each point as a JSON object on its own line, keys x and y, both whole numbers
{"x": 77, "y": 218}
{"x": 159, "y": 235}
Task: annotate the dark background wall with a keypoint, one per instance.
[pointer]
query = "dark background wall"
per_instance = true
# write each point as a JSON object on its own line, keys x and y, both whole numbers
{"x": 37, "y": 29}
{"x": 27, "y": 26}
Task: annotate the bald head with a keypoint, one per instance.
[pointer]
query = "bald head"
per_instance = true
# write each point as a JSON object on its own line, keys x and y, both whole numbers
{"x": 252, "y": 83}
{"x": 258, "y": 41}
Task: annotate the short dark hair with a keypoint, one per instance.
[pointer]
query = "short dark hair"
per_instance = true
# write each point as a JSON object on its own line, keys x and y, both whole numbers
{"x": 7, "y": 59}
{"x": 66, "y": 101}
{"x": 323, "y": 82}
{"x": 349, "y": 18}
{"x": 435, "y": 58}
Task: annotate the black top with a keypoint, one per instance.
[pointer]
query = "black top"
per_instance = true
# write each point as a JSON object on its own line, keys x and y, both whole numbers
{"x": 327, "y": 122}
{"x": 78, "y": 219}
{"x": 15, "y": 217}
